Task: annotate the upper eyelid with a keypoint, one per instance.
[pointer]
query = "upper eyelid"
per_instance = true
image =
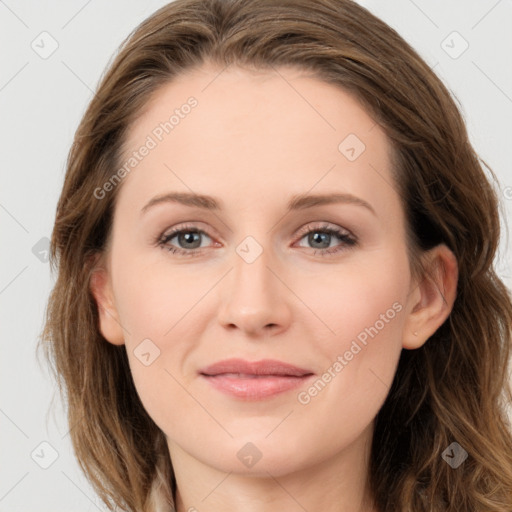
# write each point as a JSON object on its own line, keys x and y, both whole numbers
{"x": 323, "y": 225}
{"x": 174, "y": 231}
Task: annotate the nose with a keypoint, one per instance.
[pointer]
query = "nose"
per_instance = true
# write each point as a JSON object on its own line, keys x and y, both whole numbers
{"x": 255, "y": 298}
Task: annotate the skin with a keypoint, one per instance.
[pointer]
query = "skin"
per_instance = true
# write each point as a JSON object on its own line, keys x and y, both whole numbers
{"x": 254, "y": 141}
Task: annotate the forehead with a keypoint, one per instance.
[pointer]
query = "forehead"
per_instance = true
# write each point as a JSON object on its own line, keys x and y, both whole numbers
{"x": 280, "y": 130}
{"x": 251, "y": 104}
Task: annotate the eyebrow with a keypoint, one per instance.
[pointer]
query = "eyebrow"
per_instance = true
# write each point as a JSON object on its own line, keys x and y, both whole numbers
{"x": 297, "y": 202}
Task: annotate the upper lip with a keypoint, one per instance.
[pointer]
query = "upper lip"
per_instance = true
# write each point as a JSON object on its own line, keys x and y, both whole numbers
{"x": 263, "y": 367}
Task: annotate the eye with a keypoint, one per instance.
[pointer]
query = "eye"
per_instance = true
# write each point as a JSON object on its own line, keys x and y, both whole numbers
{"x": 320, "y": 238}
{"x": 188, "y": 239}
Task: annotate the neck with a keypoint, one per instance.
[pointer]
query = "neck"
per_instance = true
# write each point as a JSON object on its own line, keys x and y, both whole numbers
{"x": 338, "y": 484}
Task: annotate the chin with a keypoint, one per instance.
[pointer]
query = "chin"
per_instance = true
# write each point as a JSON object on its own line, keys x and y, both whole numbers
{"x": 260, "y": 456}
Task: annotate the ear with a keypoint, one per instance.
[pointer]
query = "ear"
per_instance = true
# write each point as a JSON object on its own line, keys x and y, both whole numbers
{"x": 101, "y": 288}
{"x": 431, "y": 300}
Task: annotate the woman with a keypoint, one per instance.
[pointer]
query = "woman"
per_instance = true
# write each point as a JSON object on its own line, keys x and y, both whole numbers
{"x": 255, "y": 369}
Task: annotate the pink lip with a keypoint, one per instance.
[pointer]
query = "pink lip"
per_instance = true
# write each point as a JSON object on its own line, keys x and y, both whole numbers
{"x": 254, "y": 380}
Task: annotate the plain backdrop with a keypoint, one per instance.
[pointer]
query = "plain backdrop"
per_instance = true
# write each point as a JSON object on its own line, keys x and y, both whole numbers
{"x": 52, "y": 55}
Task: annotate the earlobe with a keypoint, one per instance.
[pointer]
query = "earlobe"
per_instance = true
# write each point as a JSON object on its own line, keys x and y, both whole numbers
{"x": 432, "y": 299}
{"x": 101, "y": 290}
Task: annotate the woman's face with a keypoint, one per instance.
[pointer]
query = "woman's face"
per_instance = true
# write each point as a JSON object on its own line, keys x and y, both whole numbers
{"x": 323, "y": 286}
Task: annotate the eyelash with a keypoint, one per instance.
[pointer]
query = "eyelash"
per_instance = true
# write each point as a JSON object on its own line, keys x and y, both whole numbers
{"x": 348, "y": 240}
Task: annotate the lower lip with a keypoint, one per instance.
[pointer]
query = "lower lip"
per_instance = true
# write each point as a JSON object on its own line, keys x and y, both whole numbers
{"x": 255, "y": 388}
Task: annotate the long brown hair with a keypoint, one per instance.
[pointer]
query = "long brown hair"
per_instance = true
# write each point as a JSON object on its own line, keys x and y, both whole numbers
{"x": 453, "y": 389}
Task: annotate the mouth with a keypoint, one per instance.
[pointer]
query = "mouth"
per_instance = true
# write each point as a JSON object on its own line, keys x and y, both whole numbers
{"x": 254, "y": 380}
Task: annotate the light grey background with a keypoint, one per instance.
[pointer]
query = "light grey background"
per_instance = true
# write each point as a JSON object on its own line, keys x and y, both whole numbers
{"x": 41, "y": 103}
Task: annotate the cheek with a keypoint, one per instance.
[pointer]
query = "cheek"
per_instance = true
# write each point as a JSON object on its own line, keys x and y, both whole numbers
{"x": 364, "y": 306}
{"x": 153, "y": 299}
{"x": 159, "y": 310}
{"x": 361, "y": 300}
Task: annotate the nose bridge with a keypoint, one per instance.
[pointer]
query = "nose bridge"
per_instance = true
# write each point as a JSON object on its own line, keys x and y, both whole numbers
{"x": 254, "y": 297}
{"x": 251, "y": 273}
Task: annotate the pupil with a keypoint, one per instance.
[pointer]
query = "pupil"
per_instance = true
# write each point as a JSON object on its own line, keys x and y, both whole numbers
{"x": 189, "y": 238}
{"x": 317, "y": 237}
